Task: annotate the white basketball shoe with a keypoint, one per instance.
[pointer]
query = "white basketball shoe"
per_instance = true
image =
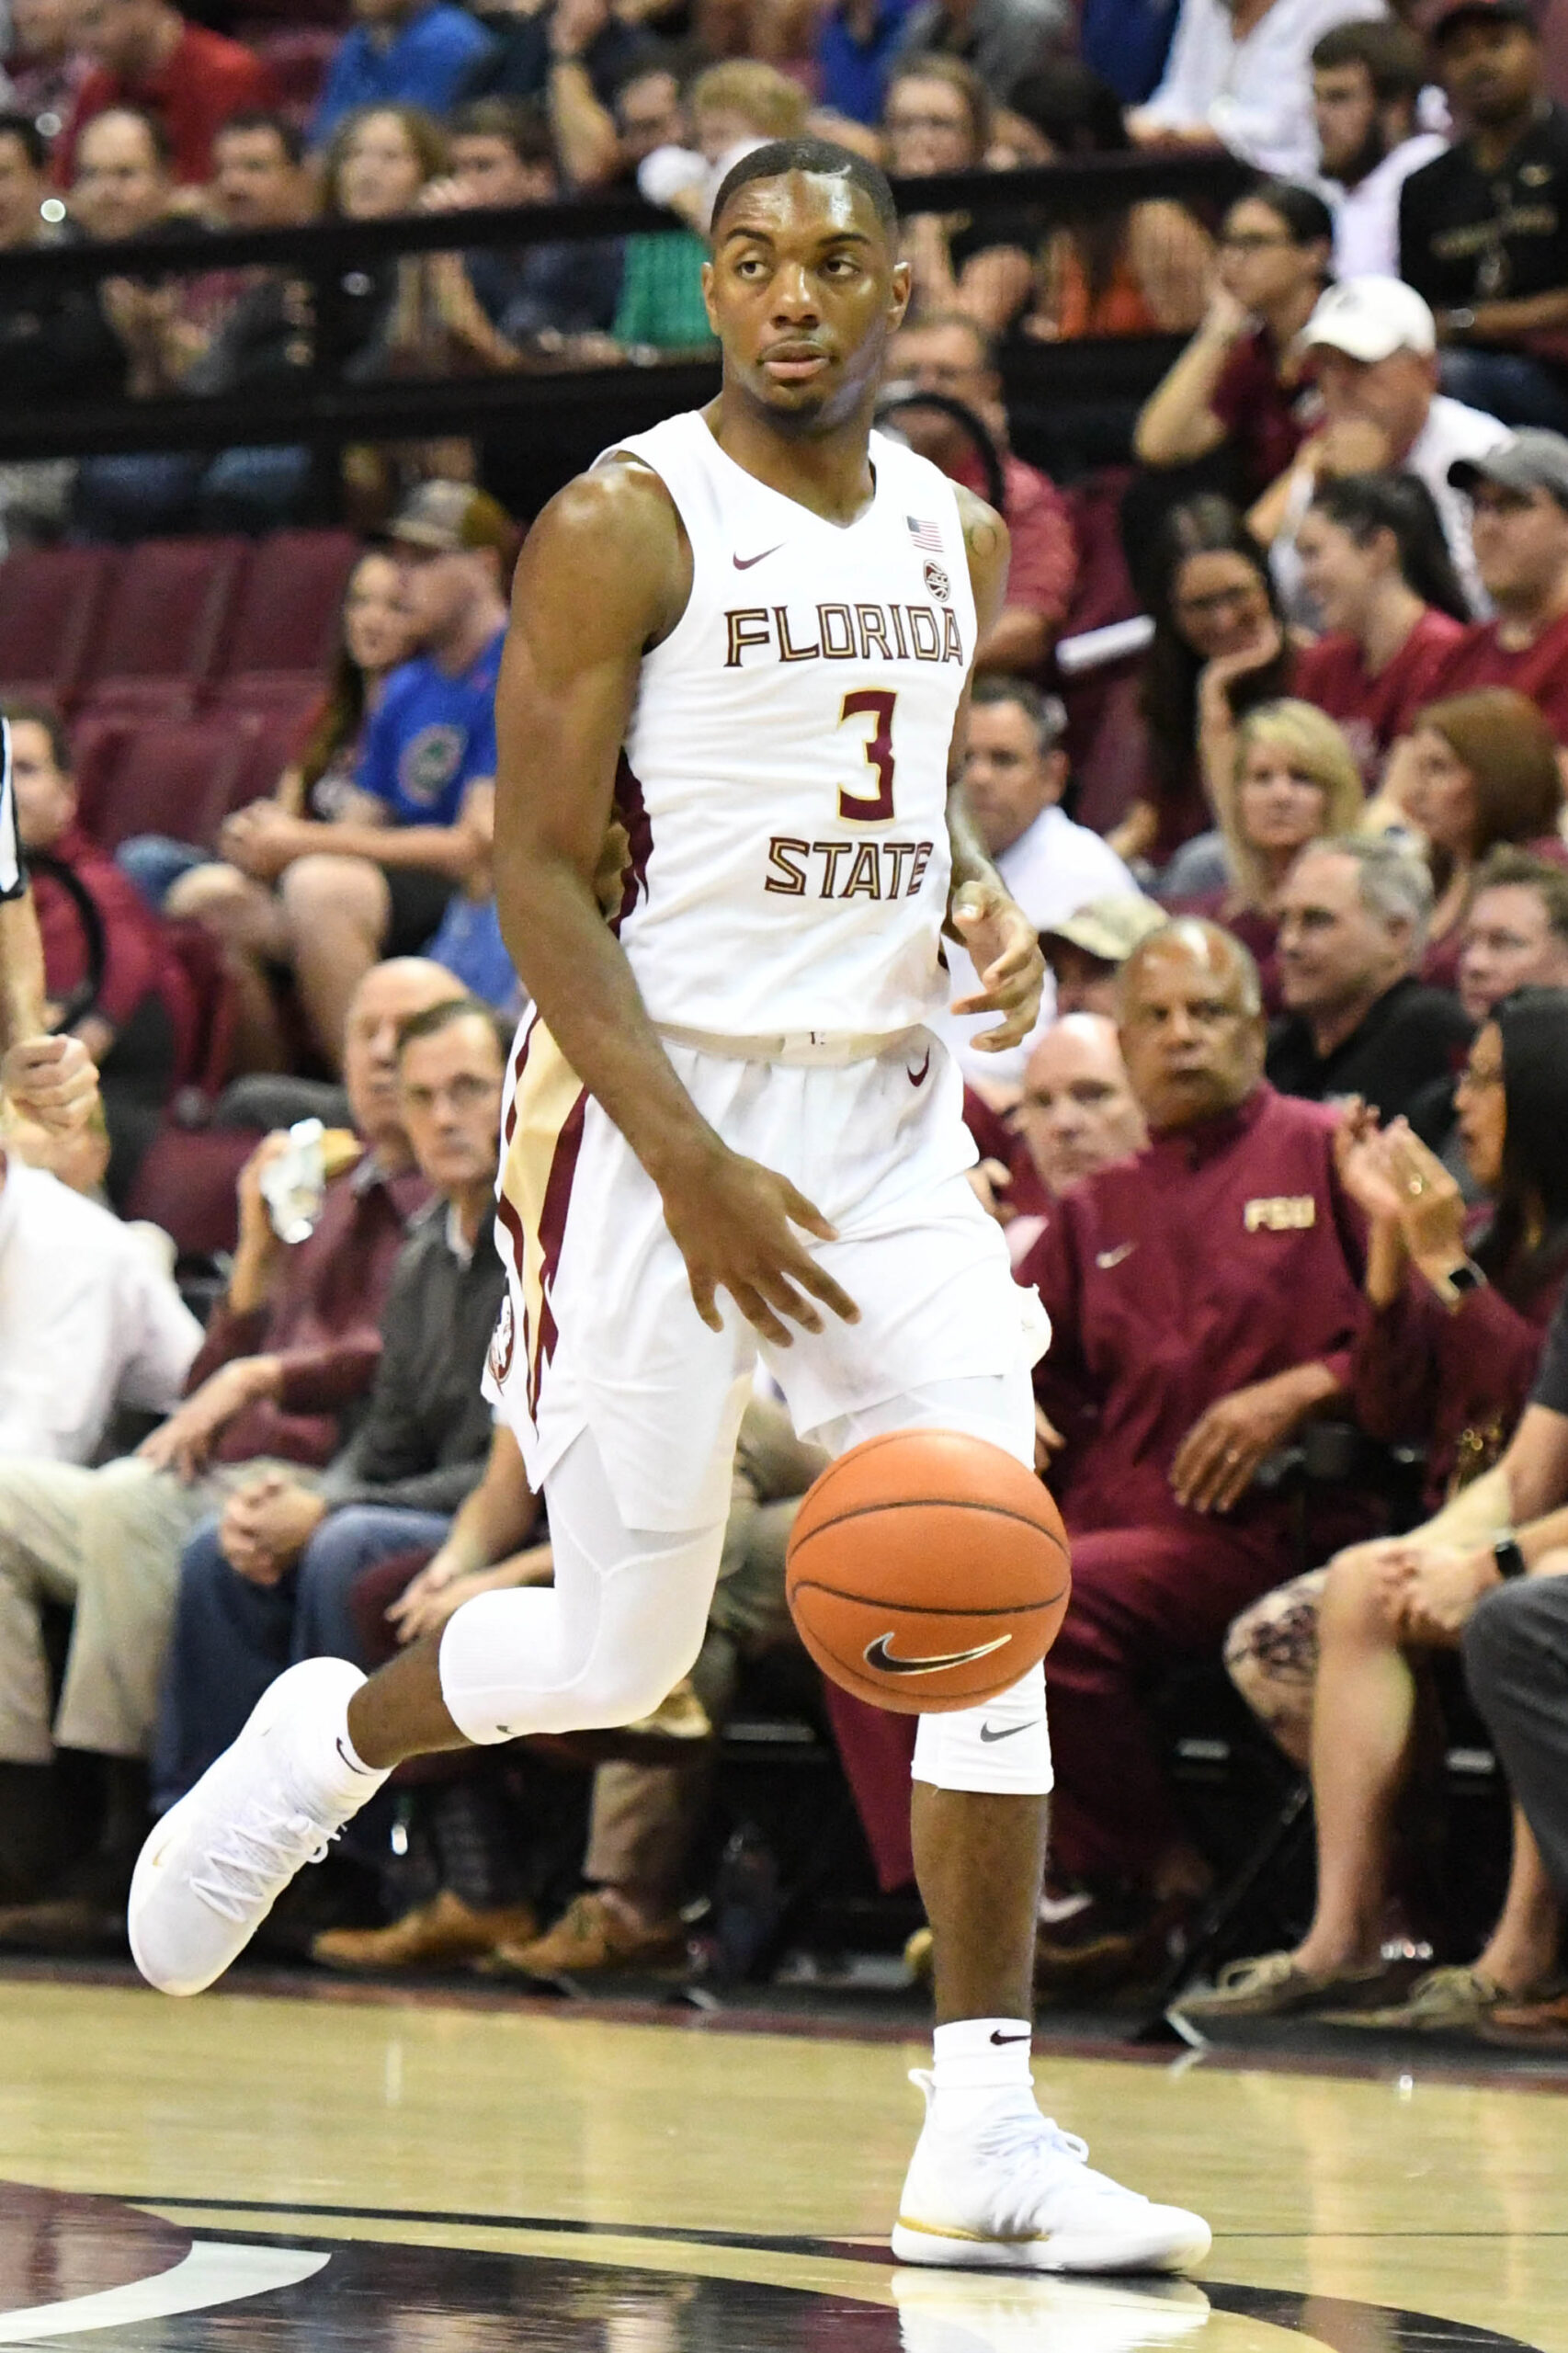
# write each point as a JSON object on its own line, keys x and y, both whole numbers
{"x": 212, "y": 1868}
{"x": 1014, "y": 2193}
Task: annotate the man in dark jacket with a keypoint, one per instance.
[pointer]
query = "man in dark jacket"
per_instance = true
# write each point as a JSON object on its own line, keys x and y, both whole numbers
{"x": 1352, "y": 917}
{"x": 268, "y": 1578}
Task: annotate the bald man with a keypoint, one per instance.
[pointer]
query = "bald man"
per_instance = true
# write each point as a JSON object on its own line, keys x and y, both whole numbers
{"x": 291, "y": 1347}
{"x": 1204, "y": 1296}
{"x": 1077, "y": 1112}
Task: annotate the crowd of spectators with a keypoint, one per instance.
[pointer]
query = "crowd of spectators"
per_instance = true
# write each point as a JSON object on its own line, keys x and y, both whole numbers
{"x": 1268, "y": 739}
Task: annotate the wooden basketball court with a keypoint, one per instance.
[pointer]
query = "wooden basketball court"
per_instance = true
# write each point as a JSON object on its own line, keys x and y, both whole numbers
{"x": 452, "y": 2174}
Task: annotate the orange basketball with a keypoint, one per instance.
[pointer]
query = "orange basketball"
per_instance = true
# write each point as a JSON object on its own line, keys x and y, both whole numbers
{"x": 928, "y": 1571}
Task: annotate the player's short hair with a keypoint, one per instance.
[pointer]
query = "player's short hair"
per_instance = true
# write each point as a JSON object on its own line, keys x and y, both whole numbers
{"x": 822, "y": 157}
{"x": 27, "y": 136}
{"x": 1047, "y": 714}
{"x": 437, "y": 1018}
{"x": 255, "y": 119}
{"x": 44, "y": 716}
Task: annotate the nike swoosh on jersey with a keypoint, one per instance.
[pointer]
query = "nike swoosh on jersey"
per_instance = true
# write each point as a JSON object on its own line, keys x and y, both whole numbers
{"x": 879, "y": 1654}
{"x": 919, "y": 1077}
{"x": 745, "y": 562}
{"x": 1006, "y": 1732}
{"x": 1109, "y": 1258}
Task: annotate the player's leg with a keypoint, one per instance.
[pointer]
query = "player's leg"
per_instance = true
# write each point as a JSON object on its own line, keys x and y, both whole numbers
{"x": 994, "y": 2183}
{"x": 622, "y": 1623}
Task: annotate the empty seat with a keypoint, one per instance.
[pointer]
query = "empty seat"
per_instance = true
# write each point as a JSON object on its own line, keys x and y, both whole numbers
{"x": 166, "y": 621}
{"x": 178, "y": 780}
{"x": 285, "y": 622}
{"x": 51, "y": 602}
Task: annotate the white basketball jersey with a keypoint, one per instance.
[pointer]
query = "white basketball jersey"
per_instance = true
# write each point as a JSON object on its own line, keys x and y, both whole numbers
{"x": 784, "y": 781}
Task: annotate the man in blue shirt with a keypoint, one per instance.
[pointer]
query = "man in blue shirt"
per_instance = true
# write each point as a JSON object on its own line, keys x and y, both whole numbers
{"x": 416, "y": 830}
{"x": 415, "y": 51}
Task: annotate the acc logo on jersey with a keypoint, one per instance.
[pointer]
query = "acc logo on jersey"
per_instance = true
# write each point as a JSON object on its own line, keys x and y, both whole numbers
{"x": 503, "y": 1343}
{"x": 937, "y": 581}
{"x": 430, "y": 760}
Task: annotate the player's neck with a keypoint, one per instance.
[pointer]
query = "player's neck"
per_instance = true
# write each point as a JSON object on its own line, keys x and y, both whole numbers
{"x": 828, "y": 473}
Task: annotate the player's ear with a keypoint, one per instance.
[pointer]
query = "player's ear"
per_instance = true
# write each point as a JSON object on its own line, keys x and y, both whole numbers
{"x": 901, "y": 286}
{"x": 708, "y": 295}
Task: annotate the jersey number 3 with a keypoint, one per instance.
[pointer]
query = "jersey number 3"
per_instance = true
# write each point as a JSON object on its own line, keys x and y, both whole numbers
{"x": 872, "y": 809}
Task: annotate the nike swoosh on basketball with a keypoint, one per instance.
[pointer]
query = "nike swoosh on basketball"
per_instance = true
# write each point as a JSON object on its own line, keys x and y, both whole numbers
{"x": 1006, "y": 1732}
{"x": 919, "y": 1077}
{"x": 1109, "y": 1258}
{"x": 879, "y": 1653}
{"x": 745, "y": 562}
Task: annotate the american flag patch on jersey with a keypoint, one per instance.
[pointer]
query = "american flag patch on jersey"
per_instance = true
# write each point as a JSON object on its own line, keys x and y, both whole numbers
{"x": 925, "y": 535}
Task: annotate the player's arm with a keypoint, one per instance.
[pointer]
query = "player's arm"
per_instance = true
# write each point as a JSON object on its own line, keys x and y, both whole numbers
{"x": 981, "y": 912}
{"x": 604, "y": 575}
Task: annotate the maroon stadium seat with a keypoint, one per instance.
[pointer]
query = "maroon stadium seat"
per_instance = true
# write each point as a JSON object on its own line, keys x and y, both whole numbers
{"x": 165, "y": 622}
{"x": 187, "y": 1185}
{"x": 51, "y": 601}
{"x": 285, "y": 623}
{"x": 299, "y": 56}
{"x": 179, "y": 779}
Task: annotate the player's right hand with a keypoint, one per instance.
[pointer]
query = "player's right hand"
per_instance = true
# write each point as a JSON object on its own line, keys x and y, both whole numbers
{"x": 734, "y": 1225}
{"x": 53, "y": 1081}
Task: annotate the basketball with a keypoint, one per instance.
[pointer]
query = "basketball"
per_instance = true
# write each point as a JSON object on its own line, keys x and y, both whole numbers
{"x": 928, "y": 1571}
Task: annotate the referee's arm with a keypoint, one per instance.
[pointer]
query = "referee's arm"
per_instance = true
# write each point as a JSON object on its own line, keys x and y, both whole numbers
{"x": 51, "y": 1080}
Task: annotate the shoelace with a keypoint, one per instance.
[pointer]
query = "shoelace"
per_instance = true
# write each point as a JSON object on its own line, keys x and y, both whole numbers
{"x": 255, "y": 1855}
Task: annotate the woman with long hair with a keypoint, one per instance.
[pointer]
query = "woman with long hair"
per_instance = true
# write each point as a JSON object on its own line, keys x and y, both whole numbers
{"x": 245, "y": 917}
{"x": 1331, "y": 1662}
{"x": 1293, "y": 780}
{"x": 1376, "y": 565}
{"x": 1218, "y": 649}
{"x": 1475, "y": 770}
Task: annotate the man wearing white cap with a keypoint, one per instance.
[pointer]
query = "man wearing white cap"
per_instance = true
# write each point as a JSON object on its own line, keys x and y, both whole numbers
{"x": 1371, "y": 344}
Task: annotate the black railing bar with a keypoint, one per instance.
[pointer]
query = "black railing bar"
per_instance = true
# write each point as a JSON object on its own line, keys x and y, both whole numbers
{"x": 1095, "y": 185}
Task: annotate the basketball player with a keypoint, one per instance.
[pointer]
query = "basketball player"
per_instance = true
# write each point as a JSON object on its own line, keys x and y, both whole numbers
{"x": 748, "y": 634}
{"x": 51, "y": 1080}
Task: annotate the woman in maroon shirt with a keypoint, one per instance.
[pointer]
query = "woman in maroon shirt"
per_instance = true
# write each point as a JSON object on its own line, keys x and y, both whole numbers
{"x": 1475, "y": 770}
{"x": 1377, "y": 570}
{"x": 1446, "y": 1358}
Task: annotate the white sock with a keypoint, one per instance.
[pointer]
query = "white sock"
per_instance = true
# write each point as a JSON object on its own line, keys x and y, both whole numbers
{"x": 325, "y": 1767}
{"x": 982, "y": 2065}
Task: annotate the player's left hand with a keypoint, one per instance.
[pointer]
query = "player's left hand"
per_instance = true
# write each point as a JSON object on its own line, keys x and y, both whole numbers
{"x": 53, "y": 1081}
{"x": 1005, "y": 951}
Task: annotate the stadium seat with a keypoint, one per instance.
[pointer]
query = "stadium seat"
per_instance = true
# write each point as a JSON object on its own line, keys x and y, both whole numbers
{"x": 187, "y": 1184}
{"x": 51, "y": 601}
{"x": 179, "y": 779}
{"x": 269, "y": 741}
{"x": 165, "y": 625}
{"x": 285, "y": 619}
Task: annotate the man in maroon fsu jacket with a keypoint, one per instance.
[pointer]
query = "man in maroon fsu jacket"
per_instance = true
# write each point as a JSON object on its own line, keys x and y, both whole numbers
{"x": 1204, "y": 1296}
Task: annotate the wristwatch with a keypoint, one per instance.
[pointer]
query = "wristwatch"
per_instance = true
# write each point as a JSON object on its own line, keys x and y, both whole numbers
{"x": 1459, "y": 1282}
{"x": 1511, "y": 1561}
{"x": 1460, "y": 322}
